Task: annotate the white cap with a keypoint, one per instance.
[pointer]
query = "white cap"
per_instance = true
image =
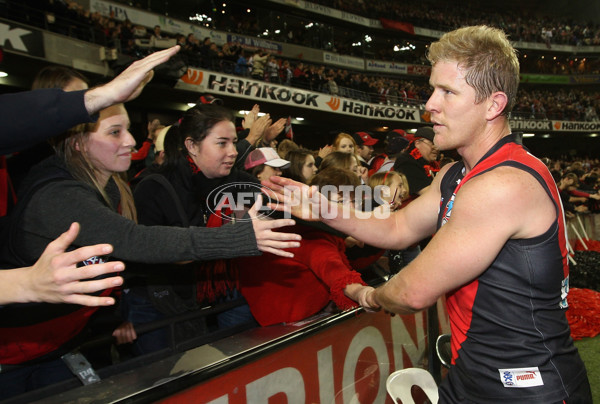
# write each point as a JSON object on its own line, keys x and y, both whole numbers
{"x": 265, "y": 155}
{"x": 159, "y": 143}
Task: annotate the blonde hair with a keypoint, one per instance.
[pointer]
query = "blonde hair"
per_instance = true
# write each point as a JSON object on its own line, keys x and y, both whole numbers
{"x": 385, "y": 178}
{"x": 81, "y": 167}
{"x": 489, "y": 60}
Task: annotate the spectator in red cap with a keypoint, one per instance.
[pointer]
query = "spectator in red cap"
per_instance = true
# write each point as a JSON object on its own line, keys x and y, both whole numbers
{"x": 264, "y": 162}
{"x": 364, "y": 147}
{"x": 209, "y": 99}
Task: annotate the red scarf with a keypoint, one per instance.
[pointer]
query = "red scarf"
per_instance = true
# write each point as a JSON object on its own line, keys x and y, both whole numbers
{"x": 430, "y": 169}
{"x": 217, "y": 277}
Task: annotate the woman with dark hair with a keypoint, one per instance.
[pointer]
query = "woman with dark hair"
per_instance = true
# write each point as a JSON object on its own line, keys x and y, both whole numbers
{"x": 82, "y": 183}
{"x": 198, "y": 162}
{"x": 302, "y": 165}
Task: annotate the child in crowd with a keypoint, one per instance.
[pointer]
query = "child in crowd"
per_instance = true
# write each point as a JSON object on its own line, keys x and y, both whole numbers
{"x": 397, "y": 185}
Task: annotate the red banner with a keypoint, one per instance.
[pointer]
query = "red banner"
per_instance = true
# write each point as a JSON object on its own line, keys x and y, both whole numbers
{"x": 397, "y": 25}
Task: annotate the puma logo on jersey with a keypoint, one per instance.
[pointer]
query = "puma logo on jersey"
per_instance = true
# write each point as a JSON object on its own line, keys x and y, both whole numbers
{"x": 521, "y": 377}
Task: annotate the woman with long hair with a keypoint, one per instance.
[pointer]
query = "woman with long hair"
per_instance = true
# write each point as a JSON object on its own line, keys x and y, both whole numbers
{"x": 200, "y": 153}
{"x": 302, "y": 165}
{"x": 344, "y": 143}
{"x": 398, "y": 192}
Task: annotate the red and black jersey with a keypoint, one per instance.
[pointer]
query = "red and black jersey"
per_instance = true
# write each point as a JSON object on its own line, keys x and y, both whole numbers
{"x": 510, "y": 337}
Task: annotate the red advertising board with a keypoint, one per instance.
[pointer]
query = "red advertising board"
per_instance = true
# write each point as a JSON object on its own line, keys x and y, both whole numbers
{"x": 346, "y": 363}
{"x": 419, "y": 70}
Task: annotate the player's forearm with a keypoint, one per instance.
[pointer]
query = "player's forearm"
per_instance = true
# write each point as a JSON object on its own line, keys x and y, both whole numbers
{"x": 396, "y": 296}
{"x": 378, "y": 229}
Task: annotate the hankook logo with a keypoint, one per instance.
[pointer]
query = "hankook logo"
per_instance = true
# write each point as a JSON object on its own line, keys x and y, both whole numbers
{"x": 334, "y": 103}
{"x": 193, "y": 76}
{"x": 22, "y": 39}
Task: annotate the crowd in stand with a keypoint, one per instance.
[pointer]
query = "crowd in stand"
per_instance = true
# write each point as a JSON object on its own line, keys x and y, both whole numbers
{"x": 446, "y": 16}
{"x": 560, "y": 104}
{"x": 440, "y": 16}
{"x": 259, "y": 65}
{"x": 563, "y": 104}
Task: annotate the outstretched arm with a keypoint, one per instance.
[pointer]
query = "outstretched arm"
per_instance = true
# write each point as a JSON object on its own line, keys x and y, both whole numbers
{"x": 55, "y": 277}
{"x": 127, "y": 85}
{"x": 392, "y": 230}
{"x": 56, "y": 111}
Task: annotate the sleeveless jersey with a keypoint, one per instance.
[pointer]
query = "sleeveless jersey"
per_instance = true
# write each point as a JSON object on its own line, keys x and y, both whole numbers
{"x": 510, "y": 337}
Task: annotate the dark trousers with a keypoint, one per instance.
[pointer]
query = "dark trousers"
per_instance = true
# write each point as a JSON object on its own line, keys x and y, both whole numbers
{"x": 27, "y": 378}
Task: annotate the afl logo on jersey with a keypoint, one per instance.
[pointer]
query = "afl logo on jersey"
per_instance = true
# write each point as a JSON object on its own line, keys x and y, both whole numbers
{"x": 448, "y": 210}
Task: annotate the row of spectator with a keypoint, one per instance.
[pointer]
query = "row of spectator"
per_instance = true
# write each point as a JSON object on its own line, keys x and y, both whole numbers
{"x": 564, "y": 104}
{"x": 443, "y": 17}
{"x": 520, "y": 25}
{"x": 578, "y": 182}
